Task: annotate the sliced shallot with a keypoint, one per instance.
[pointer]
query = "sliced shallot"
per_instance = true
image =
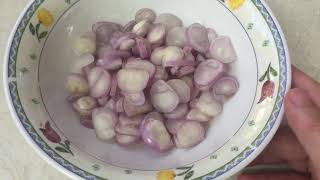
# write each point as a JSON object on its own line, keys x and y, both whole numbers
{"x": 99, "y": 82}
{"x": 141, "y": 28}
{"x": 132, "y": 80}
{"x": 84, "y": 61}
{"x": 208, "y": 72}
{"x": 104, "y": 121}
{"x": 155, "y": 134}
{"x": 128, "y": 130}
{"x": 163, "y": 97}
{"x": 178, "y": 113}
{"x": 157, "y": 55}
{"x": 169, "y": 20}
{"x": 208, "y": 105}
{"x": 198, "y": 37}
{"x": 227, "y": 86}
{"x": 177, "y": 36}
{"x": 181, "y": 88}
{"x": 104, "y": 30}
{"x": 85, "y": 44}
{"x": 196, "y": 115}
{"x": 119, "y": 105}
{"x": 134, "y": 110}
{"x": 222, "y": 49}
{"x": 126, "y": 139}
{"x": 130, "y": 121}
{"x": 135, "y": 98}
{"x": 189, "y": 134}
{"x": 77, "y": 84}
{"x": 157, "y": 34}
{"x": 145, "y": 14}
{"x": 141, "y": 64}
{"x": 85, "y": 105}
{"x": 173, "y": 125}
{"x": 144, "y": 48}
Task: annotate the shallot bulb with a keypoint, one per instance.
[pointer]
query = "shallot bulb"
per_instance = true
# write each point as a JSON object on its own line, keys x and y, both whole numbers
{"x": 85, "y": 44}
{"x": 163, "y": 97}
{"x": 104, "y": 121}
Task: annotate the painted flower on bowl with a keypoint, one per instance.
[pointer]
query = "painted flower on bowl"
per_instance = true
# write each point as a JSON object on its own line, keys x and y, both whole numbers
{"x": 50, "y": 133}
{"x": 235, "y": 4}
{"x": 45, "y": 17}
{"x": 166, "y": 175}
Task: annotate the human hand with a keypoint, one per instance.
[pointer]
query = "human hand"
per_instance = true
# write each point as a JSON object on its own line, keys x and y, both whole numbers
{"x": 299, "y": 147}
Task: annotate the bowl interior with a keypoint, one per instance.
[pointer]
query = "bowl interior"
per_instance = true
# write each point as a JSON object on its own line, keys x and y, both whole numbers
{"x": 57, "y": 59}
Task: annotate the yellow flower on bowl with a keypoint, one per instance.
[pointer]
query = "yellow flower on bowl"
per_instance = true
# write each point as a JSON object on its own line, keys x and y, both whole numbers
{"x": 235, "y": 4}
{"x": 166, "y": 175}
{"x": 45, "y": 17}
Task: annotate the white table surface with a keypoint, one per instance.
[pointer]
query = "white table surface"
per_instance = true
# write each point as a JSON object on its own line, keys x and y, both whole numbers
{"x": 300, "y": 20}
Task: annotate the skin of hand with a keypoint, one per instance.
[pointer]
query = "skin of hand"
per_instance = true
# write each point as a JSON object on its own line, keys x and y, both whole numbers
{"x": 299, "y": 144}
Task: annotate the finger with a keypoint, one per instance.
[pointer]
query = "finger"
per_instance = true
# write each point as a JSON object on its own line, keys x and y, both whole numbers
{"x": 274, "y": 176}
{"x": 303, "y": 81}
{"x": 284, "y": 148}
{"x": 304, "y": 119}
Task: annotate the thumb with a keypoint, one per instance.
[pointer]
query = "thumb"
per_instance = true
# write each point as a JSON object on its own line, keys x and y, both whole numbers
{"x": 273, "y": 176}
{"x": 304, "y": 119}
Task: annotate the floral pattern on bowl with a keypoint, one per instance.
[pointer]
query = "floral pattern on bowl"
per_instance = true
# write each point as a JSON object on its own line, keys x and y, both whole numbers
{"x": 28, "y": 109}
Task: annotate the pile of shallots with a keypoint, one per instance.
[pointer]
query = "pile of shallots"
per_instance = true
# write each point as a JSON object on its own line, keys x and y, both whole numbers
{"x": 152, "y": 80}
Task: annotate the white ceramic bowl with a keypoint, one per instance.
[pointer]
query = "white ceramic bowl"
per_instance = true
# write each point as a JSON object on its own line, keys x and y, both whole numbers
{"x": 39, "y": 57}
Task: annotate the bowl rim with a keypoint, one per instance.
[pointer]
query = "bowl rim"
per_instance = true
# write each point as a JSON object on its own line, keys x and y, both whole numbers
{"x": 73, "y": 175}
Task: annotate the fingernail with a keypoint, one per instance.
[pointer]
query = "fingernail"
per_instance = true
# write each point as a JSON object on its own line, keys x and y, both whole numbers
{"x": 299, "y": 98}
